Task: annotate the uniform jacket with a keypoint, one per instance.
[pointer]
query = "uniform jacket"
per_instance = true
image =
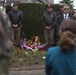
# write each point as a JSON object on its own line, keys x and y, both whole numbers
{"x": 16, "y": 17}
{"x": 48, "y": 18}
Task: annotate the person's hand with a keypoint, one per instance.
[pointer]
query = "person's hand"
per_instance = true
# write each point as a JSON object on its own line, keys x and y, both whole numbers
{"x": 50, "y": 27}
{"x": 75, "y": 15}
{"x": 15, "y": 25}
{"x": 21, "y": 25}
{"x": 47, "y": 27}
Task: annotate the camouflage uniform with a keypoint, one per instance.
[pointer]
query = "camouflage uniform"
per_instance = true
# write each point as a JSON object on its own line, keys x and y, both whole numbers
{"x": 6, "y": 39}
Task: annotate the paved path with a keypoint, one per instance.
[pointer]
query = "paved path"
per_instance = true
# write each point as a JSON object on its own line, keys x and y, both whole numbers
{"x": 28, "y": 72}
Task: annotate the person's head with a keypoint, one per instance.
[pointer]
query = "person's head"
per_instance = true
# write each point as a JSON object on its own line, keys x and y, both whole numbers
{"x": 75, "y": 15}
{"x": 15, "y": 6}
{"x": 66, "y": 9}
{"x": 67, "y": 35}
{"x": 71, "y": 11}
{"x": 61, "y": 8}
{"x": 49, "y": 8}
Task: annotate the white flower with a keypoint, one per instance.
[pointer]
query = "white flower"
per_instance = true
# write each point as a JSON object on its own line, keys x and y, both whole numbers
{"x": 26, "y": 53}
{"x": 43, "y": 57}
{"x": 20, "y": 59}
{"x": 34, "y": 50}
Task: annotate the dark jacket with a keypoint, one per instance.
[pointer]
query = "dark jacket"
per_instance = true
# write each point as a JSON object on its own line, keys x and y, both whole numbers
{"x": 16, "y": 17}
{"x": 48, "y": 18}
{"x": 59, "y": 20}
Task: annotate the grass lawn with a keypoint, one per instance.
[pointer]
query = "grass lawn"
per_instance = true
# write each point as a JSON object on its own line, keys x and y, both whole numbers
{"x": 24, "y": 58}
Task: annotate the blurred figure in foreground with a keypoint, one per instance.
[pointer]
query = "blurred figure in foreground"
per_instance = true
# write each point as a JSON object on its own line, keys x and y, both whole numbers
{"x": 6, "y": 39}
{"x": 61, "y": 60}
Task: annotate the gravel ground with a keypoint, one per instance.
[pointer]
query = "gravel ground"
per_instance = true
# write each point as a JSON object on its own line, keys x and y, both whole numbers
{"x": 27, "y": 72}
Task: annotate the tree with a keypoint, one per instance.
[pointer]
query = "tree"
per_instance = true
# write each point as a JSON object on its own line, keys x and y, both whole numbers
{"x": 68, "y": 2}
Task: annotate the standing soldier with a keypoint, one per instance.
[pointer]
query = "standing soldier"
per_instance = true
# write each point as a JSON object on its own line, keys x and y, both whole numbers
{"x": 5, "y": 42}
{"x": 16, "y": 17}
{"x": 48, "y": 19}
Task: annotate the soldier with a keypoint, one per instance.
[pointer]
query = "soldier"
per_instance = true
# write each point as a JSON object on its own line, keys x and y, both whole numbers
{"x": 16, "y": 17}
{"x": 6, "y": 39}
{"x": 48, "y": 19}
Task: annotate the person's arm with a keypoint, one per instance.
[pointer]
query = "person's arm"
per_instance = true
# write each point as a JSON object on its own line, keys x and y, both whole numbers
{"x": 56, "y": 23}
{"x": 21, "y": 18}
{"x": 9, "y": 15}
{"x": 54, "y": 18}
{"x": 47, "y": 70}
{"x": 48, "y": 63}
{"x": 43, "y": 20}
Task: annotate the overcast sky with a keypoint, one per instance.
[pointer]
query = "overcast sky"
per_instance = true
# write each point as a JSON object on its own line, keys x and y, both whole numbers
{"x": 57, "y": 1}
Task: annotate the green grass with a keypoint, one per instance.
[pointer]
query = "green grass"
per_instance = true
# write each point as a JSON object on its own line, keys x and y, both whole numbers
{"x": 27, "y": 57}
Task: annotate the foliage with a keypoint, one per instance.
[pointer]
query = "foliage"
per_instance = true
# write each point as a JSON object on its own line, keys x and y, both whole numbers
{"x": 68, "y": 2}
{"x": 27, "y": 57}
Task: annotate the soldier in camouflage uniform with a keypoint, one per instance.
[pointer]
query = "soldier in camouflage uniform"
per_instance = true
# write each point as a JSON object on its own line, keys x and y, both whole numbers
{"x": 6, "y": 39}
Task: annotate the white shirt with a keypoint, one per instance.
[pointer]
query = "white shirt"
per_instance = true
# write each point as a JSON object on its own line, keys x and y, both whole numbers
{"x": 66, "y": 16}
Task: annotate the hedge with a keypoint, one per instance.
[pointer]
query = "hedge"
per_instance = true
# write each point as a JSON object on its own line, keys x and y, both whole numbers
{"x": 32, "y": 24}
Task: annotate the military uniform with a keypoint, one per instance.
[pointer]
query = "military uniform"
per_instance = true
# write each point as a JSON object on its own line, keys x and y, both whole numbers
{"x": 48, "y": 19}
{"x": 16, "y": 18}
